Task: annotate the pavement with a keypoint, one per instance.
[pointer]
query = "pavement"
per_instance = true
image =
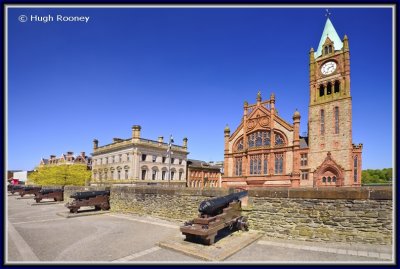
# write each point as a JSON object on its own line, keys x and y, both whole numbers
{"x": 46, "y": 234}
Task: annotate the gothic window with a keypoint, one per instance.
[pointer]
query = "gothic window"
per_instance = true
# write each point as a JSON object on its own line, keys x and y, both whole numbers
{"x": 238, "y": 166}
{"x": 337, "y": 86}
{"x": 329, "y": 88}
{"x": 279, "y": 141}
{"x": 326, "y": 50}
{"x": 321, "y": 90}
{"x": 336, "y": 112}
{"x": 239, "y": 146}
{"x": 333, "y": 179}
{"x": 265, "y": 164}
{"x": 330, "y": 49}
{"x": 258, "y": 139}
{"x": 266, "y": 138}
{"x": 278, "y": 163}
{"x": 255, "y": 165}
{"x": 322, "y": 122}
{"x": 329, "y": 179}
{"x": 355, "y": 168}
{"x": 324, "y": 179}
{"x": 303, "y": 159}
{"x": 251, "y": 140}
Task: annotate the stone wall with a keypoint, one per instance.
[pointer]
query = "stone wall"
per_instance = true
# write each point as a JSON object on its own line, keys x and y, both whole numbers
{"x": 362, "y": 215}
{"x": 365, "y": 216}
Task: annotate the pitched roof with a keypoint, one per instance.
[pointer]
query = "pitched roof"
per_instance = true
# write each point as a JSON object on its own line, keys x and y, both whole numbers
{"x": 303, "y": 142}
{"x": 329, "y": 31}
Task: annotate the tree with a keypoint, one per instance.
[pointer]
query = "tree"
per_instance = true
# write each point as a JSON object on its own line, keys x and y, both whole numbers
{"x": 75, "y": 175}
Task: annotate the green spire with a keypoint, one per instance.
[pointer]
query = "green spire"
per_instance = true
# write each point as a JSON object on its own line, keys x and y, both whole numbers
{"x": 329, "y": 31}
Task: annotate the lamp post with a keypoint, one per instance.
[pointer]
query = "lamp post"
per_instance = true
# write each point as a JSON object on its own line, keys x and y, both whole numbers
{"x": 169, "y": 153}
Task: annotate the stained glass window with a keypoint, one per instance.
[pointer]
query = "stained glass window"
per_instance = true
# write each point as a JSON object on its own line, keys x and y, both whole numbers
{"x": 278, "y": 163}
{"x": 240, "y": 145}
{"x": 279, "y": 139}
{"x": 255, "y": 165}
{"x": 238, "y": 166}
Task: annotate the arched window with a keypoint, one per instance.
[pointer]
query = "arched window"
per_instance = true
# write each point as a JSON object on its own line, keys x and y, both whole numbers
{"x": 239, "y": 146}
{"x": 258, "y": 139}
{"x": 326, "y": 50}
{"x": 333, "y": 179}
{"x": 336, "y": 112}
{"x": 321, "y": 90}
{"x": 329, "y": 88}
{"x": 251, "y": 139}
{"x": 330, "y": 48}
{"x": 324, "y": 179}
{"x": 266, "y": 138}
{"x": 329, "y": 179}
{"x": 337, "y": 86}
{"x": 279, "y": 141}
{"x": 322, "y": 122}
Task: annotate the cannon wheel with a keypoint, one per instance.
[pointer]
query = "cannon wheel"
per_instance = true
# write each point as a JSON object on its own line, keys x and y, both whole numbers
{"x": 105, "y": 206}
{"x": 97, "y": 207}
{"x": 37, "y": 200}
{"x": 55, "y": 199}
{"x": 73, "y": 210}
{"x": 242, "y": 224}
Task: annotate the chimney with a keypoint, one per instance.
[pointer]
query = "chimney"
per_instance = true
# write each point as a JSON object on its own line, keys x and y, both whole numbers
{"x": 70, "y": 153}
{"x": 136, "y": 131}
{"x": 185, "y": 140}
{"x": 95, "y": 143}
{"x": 52, "y": 157}
{"x": 160, "y": 140}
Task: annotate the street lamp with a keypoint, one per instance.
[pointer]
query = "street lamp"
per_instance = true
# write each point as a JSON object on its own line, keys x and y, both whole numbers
{"x": 169, "y": 153}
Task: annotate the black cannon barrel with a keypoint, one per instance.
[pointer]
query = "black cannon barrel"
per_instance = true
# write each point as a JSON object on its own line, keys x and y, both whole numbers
{"x": 214, "y": 205}
{"x": 88, "y": 194}
{"x": 29, "y": 188}
{"x": 17, "y": 187}
{"x": 47, "y": 191}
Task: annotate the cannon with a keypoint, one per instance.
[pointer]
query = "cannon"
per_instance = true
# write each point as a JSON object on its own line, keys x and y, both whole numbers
{"x": 55, "y": 194}
{"x": 214, "y": 215}
{"x": 98, "y": 199}
{"x": 29, "y": 190}
{"x": 16, "y": 188}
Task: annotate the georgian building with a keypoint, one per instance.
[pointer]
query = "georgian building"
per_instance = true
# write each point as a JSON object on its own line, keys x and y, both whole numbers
{"x": 68, "y": 158}
{"x": 267, "y": 150}
{"x": 139, "y": 160}
{"x": 203, "y": 174}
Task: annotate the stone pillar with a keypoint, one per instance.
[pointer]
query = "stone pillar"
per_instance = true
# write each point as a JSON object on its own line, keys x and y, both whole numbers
{"x": 160, "y": 140}
{"x": 185, "y": 140}
{"x": 95, "y": 144}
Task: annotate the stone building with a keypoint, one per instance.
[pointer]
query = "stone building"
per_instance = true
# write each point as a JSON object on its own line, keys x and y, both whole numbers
{"x": 203, "y": 174}
{"x": 266, "y": 150}
{"x": 139, "y": 160}
{"x": 68, "y": 158}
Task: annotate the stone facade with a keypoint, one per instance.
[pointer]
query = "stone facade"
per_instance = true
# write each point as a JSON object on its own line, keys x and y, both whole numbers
{"x": 326, "y": 157}
{"x": 139, "y": 160}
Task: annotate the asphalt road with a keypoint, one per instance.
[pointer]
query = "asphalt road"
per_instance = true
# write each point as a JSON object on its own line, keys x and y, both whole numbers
{"x": 36, "y": 234}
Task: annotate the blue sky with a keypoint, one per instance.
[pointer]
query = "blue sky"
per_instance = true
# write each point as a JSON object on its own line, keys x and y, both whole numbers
{"x": 184, "y": 72}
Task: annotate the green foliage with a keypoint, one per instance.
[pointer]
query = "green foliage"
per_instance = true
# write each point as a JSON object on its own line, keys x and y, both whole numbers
{"x": 377, "y": 175}
{"x": 75, "y": 175}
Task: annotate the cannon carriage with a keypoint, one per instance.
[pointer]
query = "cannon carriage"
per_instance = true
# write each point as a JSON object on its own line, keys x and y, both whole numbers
{"x": 99, "y": 199}
{"x": 15, "y": 188}
{"x": 214, "y": 215}
{"x": 29, "y": 190}
{"x": 54, "y": 194}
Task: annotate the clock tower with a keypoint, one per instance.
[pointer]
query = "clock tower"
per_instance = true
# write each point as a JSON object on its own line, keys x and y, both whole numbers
{"x": 333, "y": 159}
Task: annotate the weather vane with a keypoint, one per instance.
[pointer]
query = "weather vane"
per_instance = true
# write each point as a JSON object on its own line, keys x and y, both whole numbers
{"x": 327, "y": 13}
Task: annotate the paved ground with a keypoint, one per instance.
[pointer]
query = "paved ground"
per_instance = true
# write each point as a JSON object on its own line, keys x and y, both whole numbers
{"x": 37, "y": 234}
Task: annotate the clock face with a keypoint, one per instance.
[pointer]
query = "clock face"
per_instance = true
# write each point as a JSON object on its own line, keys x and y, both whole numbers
{"x": 328, "y": 68}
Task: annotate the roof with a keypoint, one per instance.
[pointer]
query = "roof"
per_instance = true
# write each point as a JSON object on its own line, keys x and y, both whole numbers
{"x": 202, "y": 164}
{"x": 303, "y": 142}
{"x": 329, "y": 31}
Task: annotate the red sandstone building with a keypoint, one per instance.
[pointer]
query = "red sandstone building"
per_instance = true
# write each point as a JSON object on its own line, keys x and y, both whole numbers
{"x": 266, "y": 150}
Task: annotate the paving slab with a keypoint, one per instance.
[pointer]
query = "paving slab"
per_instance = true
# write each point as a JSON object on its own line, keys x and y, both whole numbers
{"x": 46, "y": 203}
{"x": 219, "y": 251}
